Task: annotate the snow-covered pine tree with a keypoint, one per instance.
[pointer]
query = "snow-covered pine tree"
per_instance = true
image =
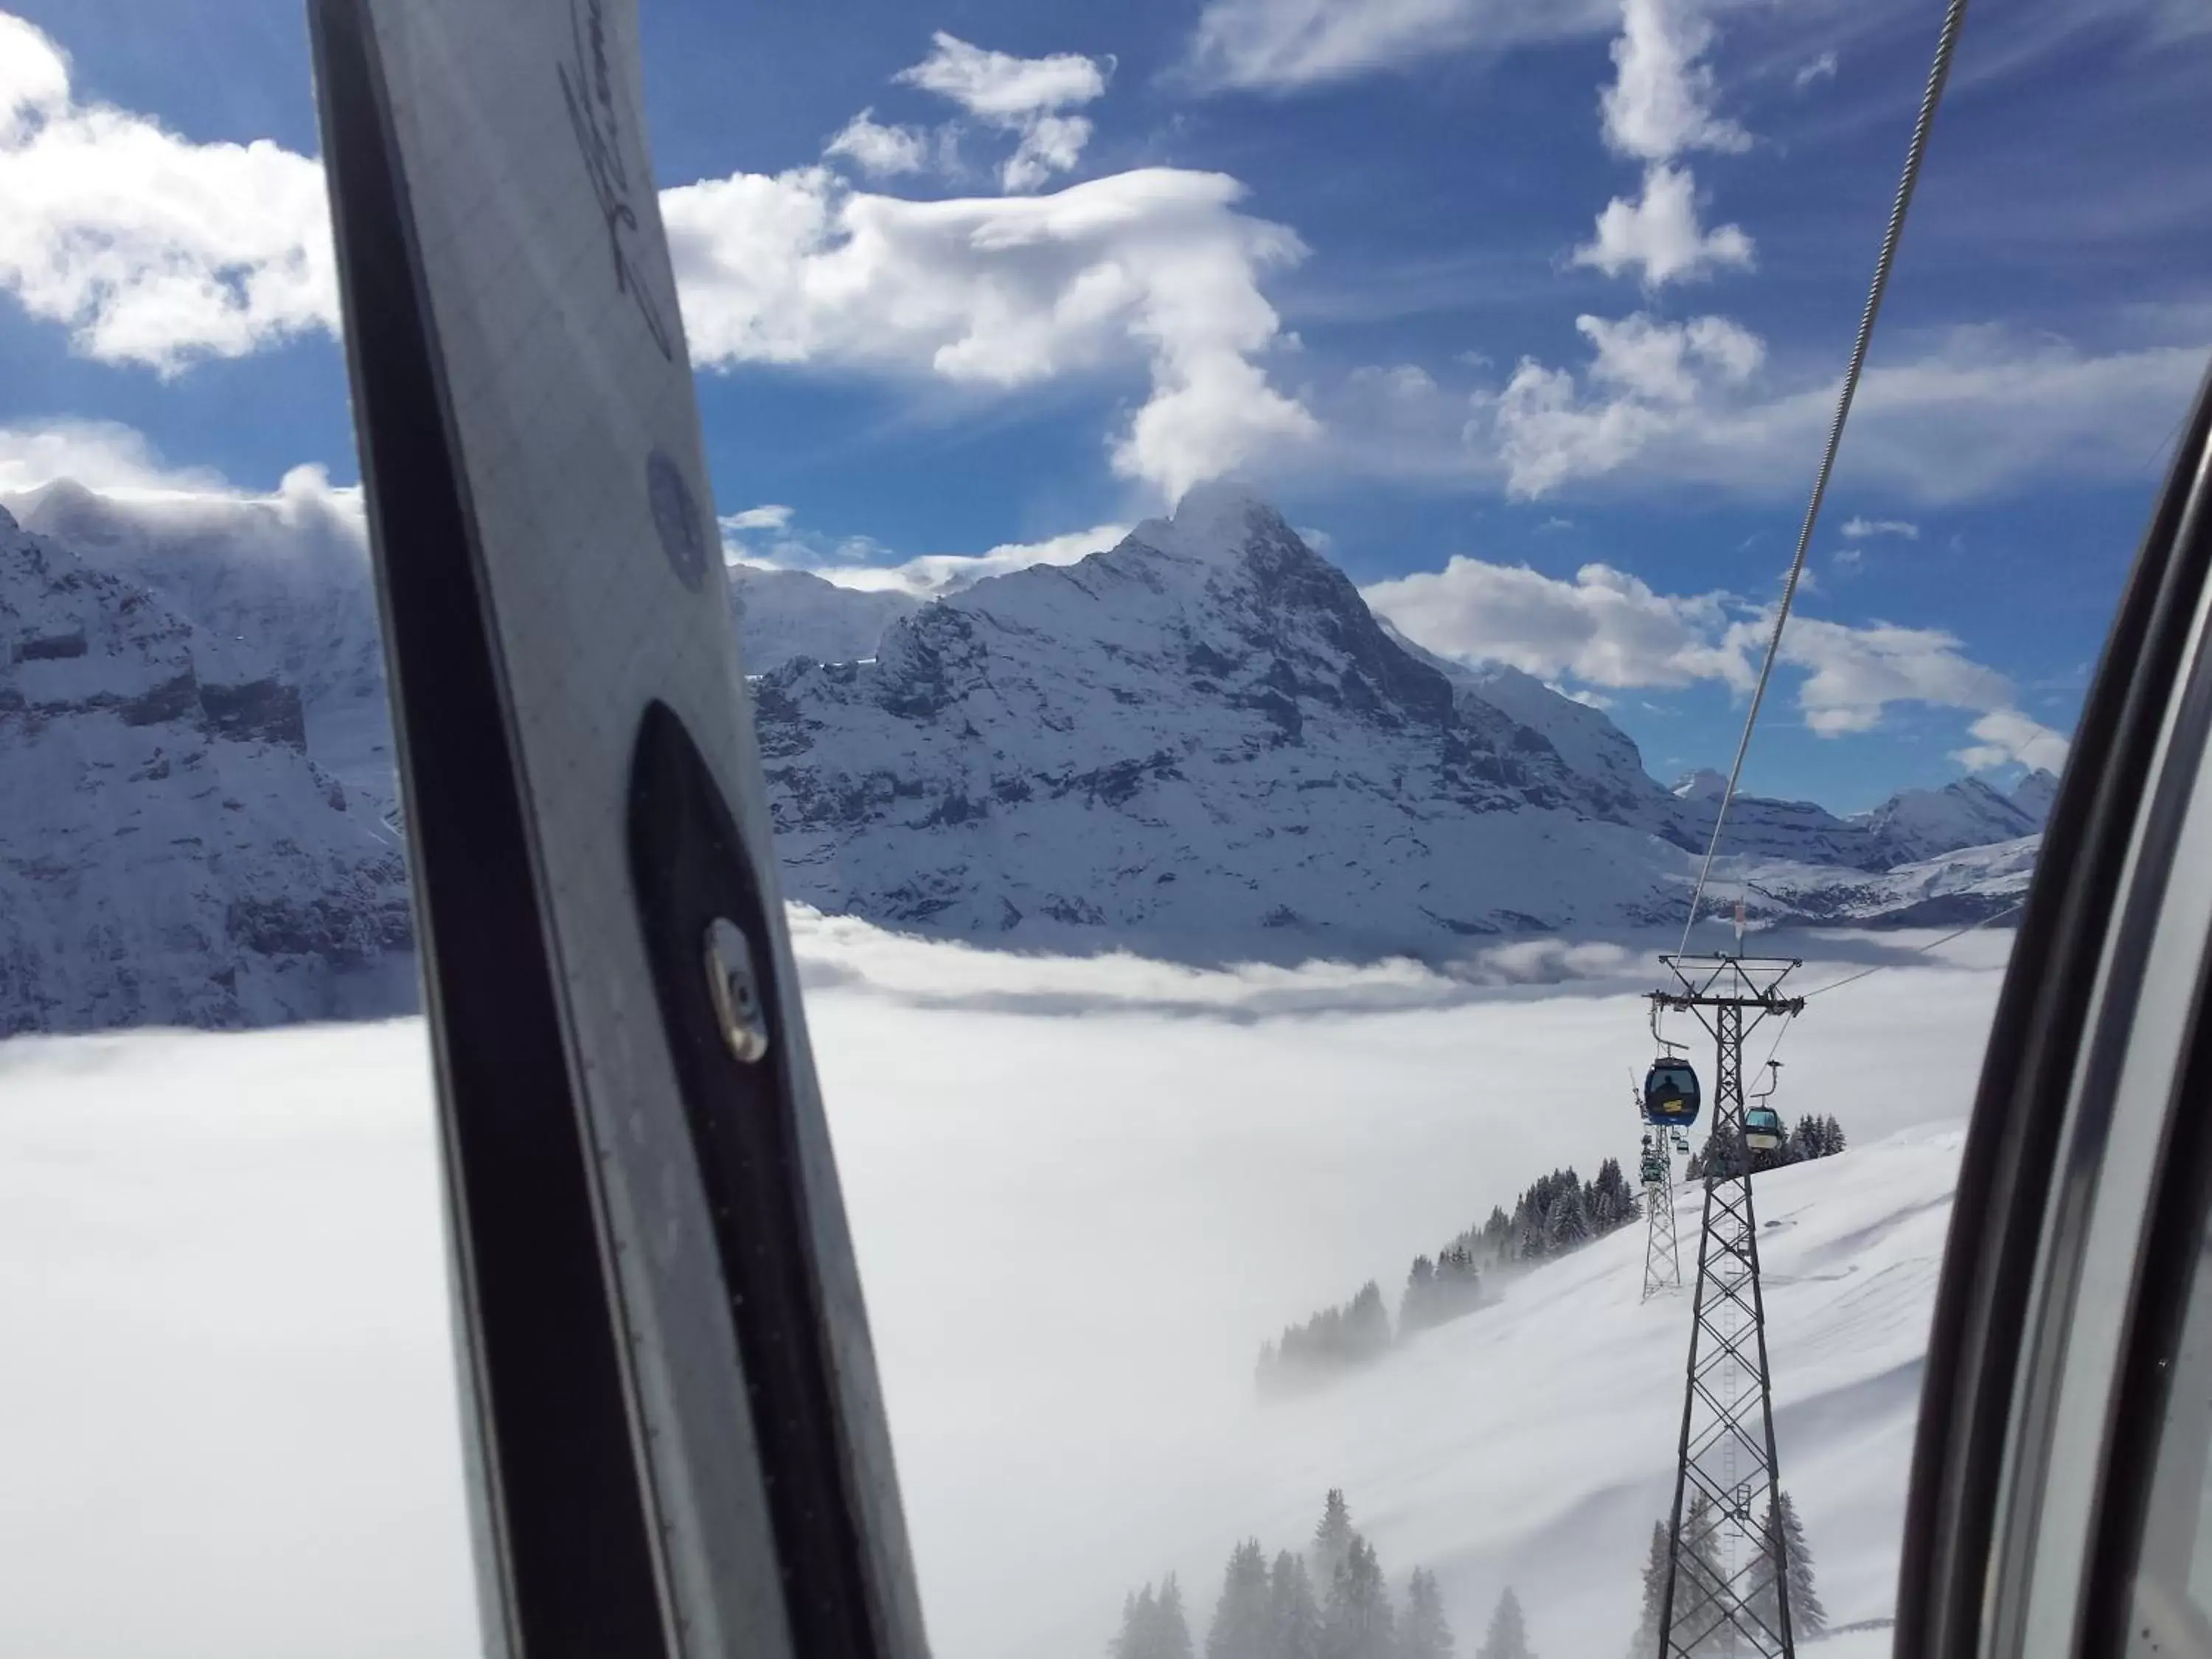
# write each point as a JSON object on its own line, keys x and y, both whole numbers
{"x": 1367, "y": 1323}
{"x": 1808, "y": 1619}
{"x": 1358, "y": 1620}
{"x": 1415, "y": 1309}
{"x": 1424, "y": 1634}
{"x": 1497, "y": 1234}
{"x": 1139, "y": 1614}
{"x": 1644, "y": 1644}
{"x": 1508, "y": 1630}
{"x": 1568, "y": 1224}
{"x": 1458, "y": 1285}
{"x": 1699, "y": 1622}
{"x": 1721, "y": 1156}
{"x": 1833, "y": 1139}
{"x": 1170, "y": 1630}
{"x": 1333, "y": 1536}
{"x": 1293, "y": 1615}
{"x": 1612, "y": 1202}
{"x": 1239, "y": 1629}
{"x": 1530, "y": 1241}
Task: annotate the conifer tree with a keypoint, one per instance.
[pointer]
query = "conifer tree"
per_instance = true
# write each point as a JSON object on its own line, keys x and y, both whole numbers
{"x": 1333, "y": 1536}
{"x": 1357, "y": 1621}
{"x": 1367, "y": 1322}
{"x": 1697, "y": 1619}
{"x": 1425, "y": 1633}
{"x": 1508, "y": 1630}
{"x": 1239, "y": 1629}
{"x": 1293, "y": 1615}
{"x": 1170, "y": 1631}
{"x": 1569, "y": 1223}
{"x": 1414, "y": 1310}
{"x": 1645, "y": 1645}
{"x": 1139, "y": 1617}
{"x": 1808, "y": 1619}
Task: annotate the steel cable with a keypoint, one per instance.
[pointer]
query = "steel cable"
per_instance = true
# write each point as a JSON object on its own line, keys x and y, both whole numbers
{"x": 1953, "y": 17}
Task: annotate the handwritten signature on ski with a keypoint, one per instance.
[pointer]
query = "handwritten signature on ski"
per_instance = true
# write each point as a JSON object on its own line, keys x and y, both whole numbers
{"x": 588, "y": 85}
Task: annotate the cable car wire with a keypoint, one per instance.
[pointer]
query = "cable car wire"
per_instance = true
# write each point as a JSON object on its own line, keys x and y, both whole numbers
{"x": 1953, "y": 16}
{"x": 1923, "y": 950}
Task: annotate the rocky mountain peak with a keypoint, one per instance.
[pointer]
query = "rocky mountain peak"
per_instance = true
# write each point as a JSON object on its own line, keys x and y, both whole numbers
{"x": 2034, "y": 794}
{"x": 170, "y": 854}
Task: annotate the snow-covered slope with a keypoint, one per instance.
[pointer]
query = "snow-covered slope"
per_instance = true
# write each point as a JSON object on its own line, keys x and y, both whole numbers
{"x": 782, "y": 614}
{"x": 169, "y": 854}
{"x": 1570, "y": 1391}
{"x": 1920, "y": 824}
{"x": 1964, "y": 885}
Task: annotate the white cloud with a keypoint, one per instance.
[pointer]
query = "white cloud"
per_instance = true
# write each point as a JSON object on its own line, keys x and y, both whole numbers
{"x": 1608, "y": 628}
{"x": 1854, "y": 674}
{"x": 1822, "y": 68}
{"x": 878, "y": 150}
{"x": 1645, "y": 373}
{"x": 2008, "y": 737}
{"x": 1050, "y": 144}
{"x": 1859, "y": 528}
{"x": 1605, "y": 627}
{"x": 1018, "y": 94}
{"x": 150, "y": 248}
{"x": 102, "y": 455}
{"x": 772, "y": 516}
{"x": 1153, "y": 266}
{"x": 1974, "y": 413}
{"x": 1000, "y": 87}
{"x": 1661, "y": 101}
{"x": 1281, "y": 45}
{"x": 1657, "y": 235}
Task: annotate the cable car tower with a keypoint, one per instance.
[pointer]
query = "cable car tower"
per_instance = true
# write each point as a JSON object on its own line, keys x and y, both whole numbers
{"x": 1726, "y": 1479}
{"x": 1662, "y": 1262}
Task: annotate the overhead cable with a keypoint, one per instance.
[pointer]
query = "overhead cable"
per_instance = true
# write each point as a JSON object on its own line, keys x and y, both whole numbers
{"x": 1954, "y": 17}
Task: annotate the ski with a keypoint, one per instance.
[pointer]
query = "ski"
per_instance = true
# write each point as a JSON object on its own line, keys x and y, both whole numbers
{"x": 675, "y": 1441}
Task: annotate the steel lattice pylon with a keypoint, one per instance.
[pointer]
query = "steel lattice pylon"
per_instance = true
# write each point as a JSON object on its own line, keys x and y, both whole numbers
{"x": 1662, "y": 1262}
{"x": 1726, "y": 1482}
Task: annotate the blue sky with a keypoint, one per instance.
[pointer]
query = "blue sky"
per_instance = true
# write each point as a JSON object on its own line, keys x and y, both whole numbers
{"x": 1080, "y": 257}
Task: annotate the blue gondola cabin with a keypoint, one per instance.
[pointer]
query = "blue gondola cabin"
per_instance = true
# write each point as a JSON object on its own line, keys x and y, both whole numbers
{"x": 1671, "y": 1096}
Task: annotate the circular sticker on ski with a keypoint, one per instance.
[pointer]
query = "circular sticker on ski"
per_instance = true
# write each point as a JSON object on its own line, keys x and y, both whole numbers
{"x": 676, "y": 518}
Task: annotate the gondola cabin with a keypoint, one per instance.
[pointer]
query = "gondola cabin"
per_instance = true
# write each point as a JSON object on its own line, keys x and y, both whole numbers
{"x": 1654, "y": 1165}
{"x": 1671, "y": 1096}
{"x": 1762, "y": 1128}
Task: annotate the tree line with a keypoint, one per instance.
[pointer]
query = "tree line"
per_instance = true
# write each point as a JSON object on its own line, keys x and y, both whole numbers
{"x": 1330, "y": 1601}
{"x": 1556, "y": 1213}
{"x": 1813, "y": 1136}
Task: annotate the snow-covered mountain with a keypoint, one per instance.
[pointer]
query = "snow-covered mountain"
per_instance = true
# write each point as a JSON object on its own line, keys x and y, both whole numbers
{"x": 782, "y": 614}
{"x": 170, "y": 856}
{"x": 1920, "y": 824}
{"x": 1201, "y": 742}
{"x": 283, "y": 581}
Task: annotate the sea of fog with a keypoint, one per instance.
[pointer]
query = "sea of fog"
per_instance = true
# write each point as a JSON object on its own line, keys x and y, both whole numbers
{"x": 1082, "y": 1192}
